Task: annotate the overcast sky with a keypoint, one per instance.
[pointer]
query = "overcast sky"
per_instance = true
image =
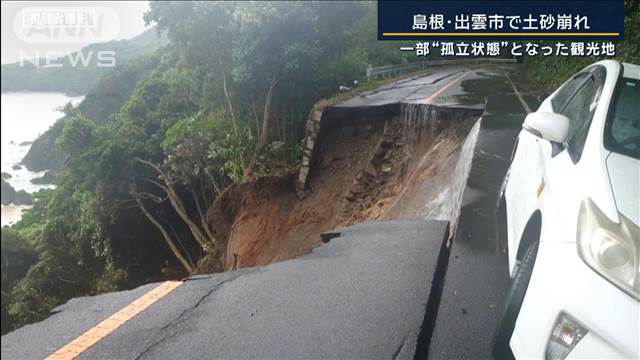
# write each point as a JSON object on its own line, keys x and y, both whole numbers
{"x": 116, "y": 20}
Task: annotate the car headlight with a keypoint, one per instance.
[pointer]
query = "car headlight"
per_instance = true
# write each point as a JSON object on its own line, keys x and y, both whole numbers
{"x": 609, "y": 248}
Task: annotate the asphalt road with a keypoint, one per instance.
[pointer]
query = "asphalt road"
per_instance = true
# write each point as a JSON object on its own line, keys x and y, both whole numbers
{"x": 408, "y": 90}
{"x": 476, "y": 279}
{"x": 362, "y": 295}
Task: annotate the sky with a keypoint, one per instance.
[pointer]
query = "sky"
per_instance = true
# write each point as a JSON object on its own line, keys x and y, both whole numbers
{"x": 26, "y": 33}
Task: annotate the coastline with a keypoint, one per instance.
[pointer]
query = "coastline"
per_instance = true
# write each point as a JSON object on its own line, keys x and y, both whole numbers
{"x": 22, "y": 123}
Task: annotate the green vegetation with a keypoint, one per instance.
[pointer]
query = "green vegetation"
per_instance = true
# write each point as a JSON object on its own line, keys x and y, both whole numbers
{"x": 75, "y": 80}
{"x": 155, "y": 142}
{"x": 104, "y": 100}
{"x": 548, "y": 73}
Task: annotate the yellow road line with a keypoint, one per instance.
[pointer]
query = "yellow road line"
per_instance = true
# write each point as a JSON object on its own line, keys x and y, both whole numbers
{"x": 444, "y": 88}
{"x": 104, "y": 328}
{"x": 500, "y": 34}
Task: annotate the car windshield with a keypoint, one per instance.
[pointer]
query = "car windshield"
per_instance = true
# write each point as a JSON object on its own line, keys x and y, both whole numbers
{"x": 623, "y": 133}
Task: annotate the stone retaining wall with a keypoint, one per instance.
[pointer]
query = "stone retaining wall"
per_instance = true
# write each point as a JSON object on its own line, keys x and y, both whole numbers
{"x": 312, "y": 129}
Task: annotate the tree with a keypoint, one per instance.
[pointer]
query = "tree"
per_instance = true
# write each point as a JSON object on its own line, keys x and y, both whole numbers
{"x": 77, "y": 134}
{"x": 17, "y": 256}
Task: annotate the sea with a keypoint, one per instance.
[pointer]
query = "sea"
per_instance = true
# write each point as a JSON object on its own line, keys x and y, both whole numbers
{"x": 25, "y": 115}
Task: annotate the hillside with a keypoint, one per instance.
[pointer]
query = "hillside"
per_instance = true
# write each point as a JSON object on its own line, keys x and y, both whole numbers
{"x": 105, "y": 99}
{"x": 78, "y": 80}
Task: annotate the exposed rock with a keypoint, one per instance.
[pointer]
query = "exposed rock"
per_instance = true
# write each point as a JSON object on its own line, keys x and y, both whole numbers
{"x": 49, "y": 177}
{"x": 25, "y": 143}
{"x": 312, "y": 130}
{"x": 6, "y": 175}
{"x": 44, "y": 153}
{"x": 310, "y": 143}
{"x": 358, "y": 187}
{"x": 22, "y": 197}
{"x": 7, "y": 192}
{"x": 304, "y": 172}
{"x": 371, "y": 170}
{"x": 16, "y": 167}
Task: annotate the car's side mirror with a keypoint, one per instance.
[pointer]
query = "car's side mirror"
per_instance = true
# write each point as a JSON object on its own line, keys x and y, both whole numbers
{"x": 549, "y": 126}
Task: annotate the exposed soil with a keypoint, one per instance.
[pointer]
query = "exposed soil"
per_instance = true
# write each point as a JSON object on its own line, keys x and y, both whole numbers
{"x": 389, "y": 168}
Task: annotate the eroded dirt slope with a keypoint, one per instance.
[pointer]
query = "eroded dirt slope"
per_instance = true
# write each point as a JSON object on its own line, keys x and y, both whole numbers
{"x": 402, "y": 167}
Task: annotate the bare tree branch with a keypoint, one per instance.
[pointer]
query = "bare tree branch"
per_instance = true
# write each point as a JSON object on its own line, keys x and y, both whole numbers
{"x": 167, "y": 238}
{"x": 226, "y": 94}
{"x": 178, "y": 206}
{"x": 175, "y": 235}
{"x": 264, "y": 132}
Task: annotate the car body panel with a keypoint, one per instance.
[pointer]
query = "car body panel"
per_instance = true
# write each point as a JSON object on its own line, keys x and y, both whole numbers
{"x": 576, "y": 290}
{"x": 555, "y": 184}
{"x": 624, "y": 175}
{"x": 533, "y": 163}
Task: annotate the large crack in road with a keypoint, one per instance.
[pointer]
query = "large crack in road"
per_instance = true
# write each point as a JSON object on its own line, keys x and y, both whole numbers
{"x": 183, "y": 315}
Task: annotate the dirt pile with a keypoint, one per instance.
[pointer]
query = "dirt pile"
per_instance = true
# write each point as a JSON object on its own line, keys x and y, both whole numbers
{"x": 391, "y": 167}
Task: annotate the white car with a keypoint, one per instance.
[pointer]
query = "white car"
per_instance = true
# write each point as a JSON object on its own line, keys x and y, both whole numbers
{"x": 569, "y": 212}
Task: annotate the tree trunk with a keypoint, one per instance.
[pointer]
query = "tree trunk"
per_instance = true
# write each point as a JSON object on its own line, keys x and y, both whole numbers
{"x": 255, "y": 114}
{"x": 264, "y": 132}
{"x": 226, "y": 95}
{"x": 210, "y": 178}
{"x": 178, "y": 206}
{"x": 202, "y": 214}
{"x": 167, "y": 238}
{"x": 182, "y": 212}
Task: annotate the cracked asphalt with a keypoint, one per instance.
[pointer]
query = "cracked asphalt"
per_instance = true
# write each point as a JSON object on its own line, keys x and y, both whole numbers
{"x": 476, "y": 281}
{"x": 362, "y": 295}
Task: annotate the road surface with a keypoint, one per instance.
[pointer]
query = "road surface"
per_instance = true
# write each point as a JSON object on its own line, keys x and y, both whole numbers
{"x": 476, "y": 280}
{"x": 362, "y": 295}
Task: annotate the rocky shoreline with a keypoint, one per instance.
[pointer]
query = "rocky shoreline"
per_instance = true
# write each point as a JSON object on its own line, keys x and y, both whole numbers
{"x": 11, "y": 196}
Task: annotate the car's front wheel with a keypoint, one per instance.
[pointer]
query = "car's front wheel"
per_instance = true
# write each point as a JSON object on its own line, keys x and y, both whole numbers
{"x": 501, "y": 349}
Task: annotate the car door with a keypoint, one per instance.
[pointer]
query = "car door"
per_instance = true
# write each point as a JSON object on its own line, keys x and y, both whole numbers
{"x": 540, "y": 167}
{"x": 564, "y": 182}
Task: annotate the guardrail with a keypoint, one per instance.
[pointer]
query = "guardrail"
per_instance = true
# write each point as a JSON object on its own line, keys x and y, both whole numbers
{"x": 395, "y": 70}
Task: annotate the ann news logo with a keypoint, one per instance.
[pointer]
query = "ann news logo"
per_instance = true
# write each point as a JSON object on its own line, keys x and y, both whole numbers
{"x": 66, "y": 25}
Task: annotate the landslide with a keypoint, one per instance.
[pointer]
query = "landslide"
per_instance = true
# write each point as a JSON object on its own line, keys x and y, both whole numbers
{"x": 367, "y": 165}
